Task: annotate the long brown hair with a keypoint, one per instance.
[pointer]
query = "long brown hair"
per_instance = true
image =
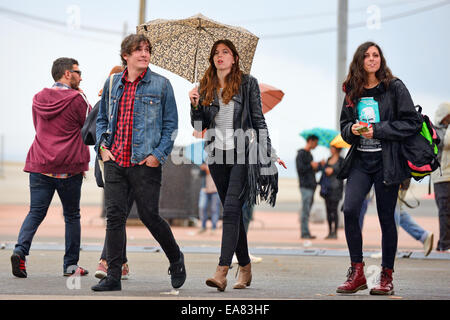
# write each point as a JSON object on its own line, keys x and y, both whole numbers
{"x": 209, "y": 84}
{"x": 357, "y": 77}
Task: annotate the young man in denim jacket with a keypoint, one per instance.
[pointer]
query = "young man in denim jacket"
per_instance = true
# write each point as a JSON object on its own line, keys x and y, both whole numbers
{"x": 136, "y": 129}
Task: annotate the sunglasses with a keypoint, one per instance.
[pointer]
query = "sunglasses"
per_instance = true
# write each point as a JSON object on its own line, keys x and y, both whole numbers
{"x": 77, "y": 71}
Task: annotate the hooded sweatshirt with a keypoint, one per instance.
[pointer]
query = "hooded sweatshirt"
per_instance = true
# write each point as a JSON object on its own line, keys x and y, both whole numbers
{"x": 444, "y": 146}
{"x": 58, "y": 116}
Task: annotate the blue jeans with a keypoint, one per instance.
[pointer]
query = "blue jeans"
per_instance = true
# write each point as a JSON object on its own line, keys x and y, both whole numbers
{"x": 409, "y": 225}
{"x": 307, "y": 202}
{"x": 206, "y": 201}
{"x": 42, "y": 189}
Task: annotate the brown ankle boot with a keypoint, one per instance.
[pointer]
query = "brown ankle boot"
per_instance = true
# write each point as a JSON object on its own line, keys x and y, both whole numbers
{"x": 245, "y": 277}
{"x": 219, "y": 280}
{"x": 355, "y": 279}
{"x": 384, "y": 285}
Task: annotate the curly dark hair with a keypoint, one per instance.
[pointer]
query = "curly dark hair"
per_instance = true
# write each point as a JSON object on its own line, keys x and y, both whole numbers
{"x": 131, "y": 43}
{"x": 357, "y": 77}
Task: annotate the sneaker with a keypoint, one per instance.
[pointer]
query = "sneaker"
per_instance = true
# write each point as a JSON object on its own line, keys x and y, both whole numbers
{"x": 255, "y": 259}
{"x": 101, "y": 271}
{"x": 125, "y": 271}
{"x": 71, "y": 270}
{"x": 107, "y": 284}
{"x": 428, "y": 244}
{"x": 177, "y": 272}
{"x": 18, "y": 266}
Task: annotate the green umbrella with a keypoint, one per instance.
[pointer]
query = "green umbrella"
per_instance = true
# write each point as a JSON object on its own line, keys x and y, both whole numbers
{"x": 325, "y": 135}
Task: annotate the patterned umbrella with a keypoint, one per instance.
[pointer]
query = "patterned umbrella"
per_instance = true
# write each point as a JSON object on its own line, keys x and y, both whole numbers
{"x": 183, "y": 46}
{"x": 325, "y": 135}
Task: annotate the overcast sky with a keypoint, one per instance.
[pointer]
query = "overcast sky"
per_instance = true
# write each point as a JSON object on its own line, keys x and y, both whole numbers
{"x": 414, "y": 36}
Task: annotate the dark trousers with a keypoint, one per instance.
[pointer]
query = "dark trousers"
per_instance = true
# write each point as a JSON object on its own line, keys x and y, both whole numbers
{"x": 145, "y": 183}
{"x": 442, "y": 196}
{"x": 230, "y": 180}
{"x": 42, "y": 189}
{"x": 357, "y": 187}
{"x": 130, "y": 202}
{"x": 332, "y": 214}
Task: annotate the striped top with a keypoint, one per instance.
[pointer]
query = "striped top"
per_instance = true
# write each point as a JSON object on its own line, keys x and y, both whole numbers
{"x": 224, "y": 131}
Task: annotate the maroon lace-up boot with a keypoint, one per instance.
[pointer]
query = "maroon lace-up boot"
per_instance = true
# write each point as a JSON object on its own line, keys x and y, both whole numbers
{"x": 355, "y": 279}
{"x": 384, "y": 285}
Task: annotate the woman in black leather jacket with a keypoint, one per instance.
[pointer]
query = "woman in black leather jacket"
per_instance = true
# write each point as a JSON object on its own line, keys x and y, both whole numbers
{"x": 219, "y": 105}
{"x": 377, "y": 114}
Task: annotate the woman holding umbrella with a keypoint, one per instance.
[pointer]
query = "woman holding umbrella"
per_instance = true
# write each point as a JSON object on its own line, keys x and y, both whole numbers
{"x": 377, "y": 114}
{"x": 220, "y": 104}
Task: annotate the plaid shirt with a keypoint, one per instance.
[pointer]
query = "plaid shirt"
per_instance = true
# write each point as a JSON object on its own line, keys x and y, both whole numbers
{"x": 121, "y": 148}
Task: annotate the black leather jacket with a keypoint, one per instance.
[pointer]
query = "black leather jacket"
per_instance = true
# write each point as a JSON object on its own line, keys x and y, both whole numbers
{"x": 205, "y": 115}
{"x": 398, "y": 120}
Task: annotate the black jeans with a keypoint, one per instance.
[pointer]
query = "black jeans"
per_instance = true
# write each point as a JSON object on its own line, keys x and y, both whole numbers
{"x": 130, "y": 202}
{"x": 358, "y": 185}
{"x": 332, "y": 214}
{"x": 145, "y": 183}
{"x": 442, "y": 196}
{"x": 230, "y": 180}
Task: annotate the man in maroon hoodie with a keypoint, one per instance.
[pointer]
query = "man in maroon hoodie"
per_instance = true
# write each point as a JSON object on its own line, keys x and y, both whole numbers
{"x": 56, "y": 161}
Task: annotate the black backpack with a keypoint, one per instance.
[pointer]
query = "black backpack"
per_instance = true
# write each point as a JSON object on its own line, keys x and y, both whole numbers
{"x": 420, "y": 150}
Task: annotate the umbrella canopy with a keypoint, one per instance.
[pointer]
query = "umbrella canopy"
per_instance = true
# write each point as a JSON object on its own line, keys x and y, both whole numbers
{"x": 338, "y": 142}
{"x": 270, "y": 96}
{"x": 195, "y": 152}
{"x": 183, "y": 46}
{"x": 325, "y": 135}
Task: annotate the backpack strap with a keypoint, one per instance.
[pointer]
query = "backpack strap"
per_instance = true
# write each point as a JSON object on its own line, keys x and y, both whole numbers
{"x": 87, "y": 103}
{"x": 109, "y": 98}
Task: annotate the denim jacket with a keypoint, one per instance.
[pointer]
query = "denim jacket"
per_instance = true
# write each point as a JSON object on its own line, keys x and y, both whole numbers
{"x": 155, "y": 117}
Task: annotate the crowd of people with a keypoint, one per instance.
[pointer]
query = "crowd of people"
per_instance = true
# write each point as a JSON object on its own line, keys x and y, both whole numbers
{"x": 136, "y": 124}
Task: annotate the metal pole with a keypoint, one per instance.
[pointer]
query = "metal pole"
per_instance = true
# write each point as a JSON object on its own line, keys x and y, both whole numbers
{"x": 342, "y": 27}
{"x": 124, "y": 29}
{"x": 141, "y": 12}
{"x": 2, "y": 163}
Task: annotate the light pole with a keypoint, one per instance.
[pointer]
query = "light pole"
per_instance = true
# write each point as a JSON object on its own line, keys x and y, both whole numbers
{"x": 342, "y": 27}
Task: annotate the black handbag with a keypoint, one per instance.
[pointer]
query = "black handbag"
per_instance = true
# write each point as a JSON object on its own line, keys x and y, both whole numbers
{"x": 262, "y": 176}
{"x": 88, "y": 132}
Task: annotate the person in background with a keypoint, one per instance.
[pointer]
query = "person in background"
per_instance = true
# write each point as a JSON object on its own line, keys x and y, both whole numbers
{"x": 441, "y": 183}
{"x": 56, "y": 161}
{"x": 306, "y": 169}
{"x": 332, "y": 190}
{"x": 209, "y": 198}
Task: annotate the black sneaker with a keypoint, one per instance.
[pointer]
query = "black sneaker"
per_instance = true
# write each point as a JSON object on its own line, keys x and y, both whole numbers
{"x": 177, "y": 272}
{"x": 108, "y": 284}
{"x": 18, "y": 266}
